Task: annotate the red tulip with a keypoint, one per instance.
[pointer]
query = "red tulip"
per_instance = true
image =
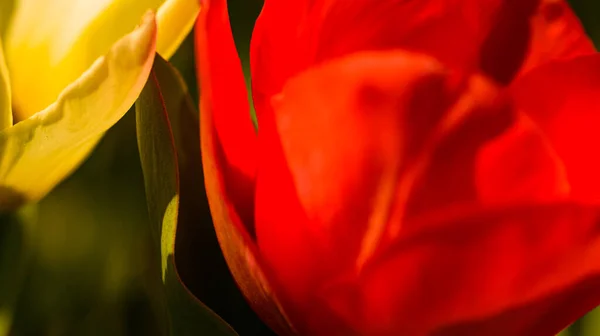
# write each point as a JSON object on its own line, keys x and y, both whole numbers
{"x": 420, "y": 167}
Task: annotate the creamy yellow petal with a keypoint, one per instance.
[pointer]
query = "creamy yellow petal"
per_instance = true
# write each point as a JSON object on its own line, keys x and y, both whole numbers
{"x": 5, "y": 106}
{"x": 50, "y": 43}
{"x": 175, "y": 19}
{"x": 39, "y": 152}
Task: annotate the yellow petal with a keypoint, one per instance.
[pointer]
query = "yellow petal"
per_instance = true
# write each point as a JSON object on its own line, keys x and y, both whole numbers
{"x": 50, "y": 43}
{"x": 5, "y": 107}
{"x": 6, "y": 8}
{"x": 175, "y": 19}
{"x": 39, "y": 152}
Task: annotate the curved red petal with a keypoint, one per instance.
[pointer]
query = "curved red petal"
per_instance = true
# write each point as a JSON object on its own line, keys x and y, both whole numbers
{"x": 274, "y": 49}
{"x": 336, "y": 157}
{"x": 290, "y": 36}
{"x": 238, "y": 248}
{"x": 224, "y": 96}
{"x": 290, "y": 253}
{"x": 445, "y": 174}
{"x": 562, "y": 99}
{"x": 520, "y": 166}
{"x": 477, "y": 267}
{"x": 547, "y": 316}
{"x": 228, "y": 146}
{"x": 556, "y": 34}
{"x": 336, "y": 130}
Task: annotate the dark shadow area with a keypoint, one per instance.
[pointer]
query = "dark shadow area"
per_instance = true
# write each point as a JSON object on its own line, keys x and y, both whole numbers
{"x": 10, "y": 199}
{"x": 200, "y": 262}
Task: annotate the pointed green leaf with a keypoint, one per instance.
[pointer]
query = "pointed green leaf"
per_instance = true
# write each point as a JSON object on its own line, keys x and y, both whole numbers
{"x": 168, "y": 140}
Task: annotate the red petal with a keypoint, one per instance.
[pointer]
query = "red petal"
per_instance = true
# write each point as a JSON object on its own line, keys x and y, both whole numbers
{"x": 238, "y": 247}
{"x": 520, "y": 167}
{"x": 290, "y": 36}
{"x": 547, "y": 316}
{"x": 274, "y": 49}
{"x": 228, "y": 146}
{"x": 337, "y": 129}
{"x": 445, "y": 174}
{"x": 478, "y": 270}
{"x": 472, "y": 164}
{"x": 556, "y": 34}
{"x": 562, "y": 99}
{"x": 224, "y": 96}
{"x": 344, "y": 137}
{"x": 285, "y": 244}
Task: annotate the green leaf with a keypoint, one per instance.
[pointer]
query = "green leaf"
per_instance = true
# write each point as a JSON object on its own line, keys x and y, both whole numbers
{"x": 591, "y": 323}
{"x": 168, "y": 140}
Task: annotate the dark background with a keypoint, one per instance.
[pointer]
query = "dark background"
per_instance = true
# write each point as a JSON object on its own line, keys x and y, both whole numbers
{"x": 92, "y": 270}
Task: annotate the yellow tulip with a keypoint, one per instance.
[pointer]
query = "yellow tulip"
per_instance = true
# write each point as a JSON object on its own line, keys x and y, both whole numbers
{"x": 69, "y": 70}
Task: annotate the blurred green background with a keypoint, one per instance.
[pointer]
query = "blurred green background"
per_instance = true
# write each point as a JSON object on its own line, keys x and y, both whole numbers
{"x": 91, "y": 268}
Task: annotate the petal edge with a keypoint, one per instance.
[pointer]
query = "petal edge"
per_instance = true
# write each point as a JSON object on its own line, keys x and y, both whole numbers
{"x": 39, "y": 152}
